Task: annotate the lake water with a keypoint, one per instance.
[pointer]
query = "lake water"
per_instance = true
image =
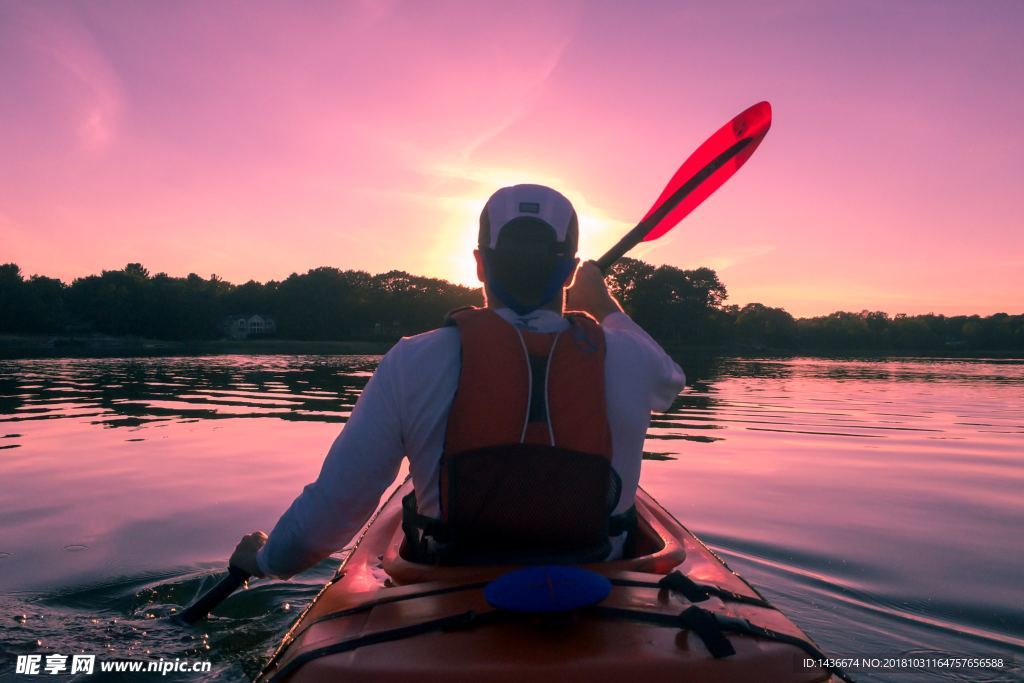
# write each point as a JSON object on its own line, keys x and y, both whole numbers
{"x": 878, "y": 503}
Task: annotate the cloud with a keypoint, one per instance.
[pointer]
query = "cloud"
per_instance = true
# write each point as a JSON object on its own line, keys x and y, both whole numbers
{"x": 59, "y": 55}
{"x": 726, "y": 260}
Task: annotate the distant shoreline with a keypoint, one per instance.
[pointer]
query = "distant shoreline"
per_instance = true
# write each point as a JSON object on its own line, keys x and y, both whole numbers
{"x": 14, "y": 347}
{"x": 27, "y": 347}
{"x": 131, "y": 312}
{"x": 740, "y": 351}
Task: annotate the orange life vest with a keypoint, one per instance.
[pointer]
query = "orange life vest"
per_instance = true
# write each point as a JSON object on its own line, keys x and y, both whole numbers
{"x": 526, "y": 469}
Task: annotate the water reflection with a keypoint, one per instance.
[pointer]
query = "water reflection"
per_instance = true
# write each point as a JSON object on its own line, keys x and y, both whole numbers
{"x": 129, "y": 393}
{"x": 876, "y": 501}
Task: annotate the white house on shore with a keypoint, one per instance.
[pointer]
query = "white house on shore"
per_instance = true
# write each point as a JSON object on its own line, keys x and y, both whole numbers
{"x": 246, "y": 326}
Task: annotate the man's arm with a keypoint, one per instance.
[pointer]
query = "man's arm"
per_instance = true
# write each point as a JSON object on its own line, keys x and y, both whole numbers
{"x": 589, "y": 293}
{"x": 664, "y": 376}
{"x": 360, "y": 465}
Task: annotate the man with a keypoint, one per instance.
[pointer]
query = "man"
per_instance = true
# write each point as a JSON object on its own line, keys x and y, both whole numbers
{"x": 524, "y": 427}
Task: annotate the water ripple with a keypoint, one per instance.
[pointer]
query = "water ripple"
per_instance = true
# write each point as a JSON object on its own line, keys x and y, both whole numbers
{"x": 876, "y": 502}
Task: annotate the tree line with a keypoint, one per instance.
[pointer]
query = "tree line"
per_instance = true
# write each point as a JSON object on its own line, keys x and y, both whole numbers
{"x": 322, "y": 304}
{"x": 676, "y": 306}
{"x": 688, "y": 307}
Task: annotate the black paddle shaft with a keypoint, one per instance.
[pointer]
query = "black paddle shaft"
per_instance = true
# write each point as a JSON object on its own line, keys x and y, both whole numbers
{"x": 213, "y": 597}
{"x": 637, "y": 234}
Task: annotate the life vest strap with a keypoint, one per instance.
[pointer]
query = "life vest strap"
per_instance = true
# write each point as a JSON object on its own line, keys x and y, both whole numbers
{"x": 512, "y": 379}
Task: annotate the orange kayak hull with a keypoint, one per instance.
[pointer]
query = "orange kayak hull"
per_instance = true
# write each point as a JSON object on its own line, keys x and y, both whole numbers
{"x": 387, "y": 619}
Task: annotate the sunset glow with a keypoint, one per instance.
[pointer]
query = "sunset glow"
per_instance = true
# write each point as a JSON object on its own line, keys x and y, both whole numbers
{"x": 253, "y": 141}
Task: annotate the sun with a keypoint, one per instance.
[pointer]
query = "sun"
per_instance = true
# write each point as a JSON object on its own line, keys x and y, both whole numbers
{"x": 452, "y": 258}
{"x": 464, "y": 265}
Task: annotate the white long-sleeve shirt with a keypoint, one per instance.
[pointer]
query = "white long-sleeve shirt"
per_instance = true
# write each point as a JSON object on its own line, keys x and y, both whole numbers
{"x": 403, "y": 411}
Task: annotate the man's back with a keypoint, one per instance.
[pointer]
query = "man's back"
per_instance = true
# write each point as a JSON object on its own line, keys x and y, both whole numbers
{"x": 404, "y": 412}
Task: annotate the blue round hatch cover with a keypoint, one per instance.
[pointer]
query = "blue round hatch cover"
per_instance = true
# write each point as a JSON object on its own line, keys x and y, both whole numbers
{"x": 547, "y": 588}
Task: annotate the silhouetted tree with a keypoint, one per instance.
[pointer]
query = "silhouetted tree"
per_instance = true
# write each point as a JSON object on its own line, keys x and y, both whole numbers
{"x": 766, "y": 326}
{"x": 35, "y": 305}
{"x": 677, "y": 305}
{"x": 624, "y": 276}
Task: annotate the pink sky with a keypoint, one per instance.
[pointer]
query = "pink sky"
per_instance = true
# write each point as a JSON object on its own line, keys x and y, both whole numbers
{"x": 254, "y": 140}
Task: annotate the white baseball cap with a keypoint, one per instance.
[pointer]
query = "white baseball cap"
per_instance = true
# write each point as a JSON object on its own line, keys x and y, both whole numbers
{"x": 535, "y": 204}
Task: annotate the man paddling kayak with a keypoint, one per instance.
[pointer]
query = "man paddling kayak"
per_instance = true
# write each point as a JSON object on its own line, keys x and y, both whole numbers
{"x": 524, "y": 427}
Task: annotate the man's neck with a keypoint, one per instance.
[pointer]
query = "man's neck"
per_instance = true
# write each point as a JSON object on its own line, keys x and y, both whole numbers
{"x": 540, "y": 320}
{"x": 556, "y": 305}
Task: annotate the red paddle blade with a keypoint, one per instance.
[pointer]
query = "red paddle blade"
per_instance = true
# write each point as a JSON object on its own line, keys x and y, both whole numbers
{"x": 708, "y": 168}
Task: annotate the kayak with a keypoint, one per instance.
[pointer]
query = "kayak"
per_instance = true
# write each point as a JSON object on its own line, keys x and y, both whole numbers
{"x": 674, "y": 612}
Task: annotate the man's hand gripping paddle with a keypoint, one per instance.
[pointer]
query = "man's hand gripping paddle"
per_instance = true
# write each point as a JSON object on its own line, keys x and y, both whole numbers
{"x": 705, "y": 171}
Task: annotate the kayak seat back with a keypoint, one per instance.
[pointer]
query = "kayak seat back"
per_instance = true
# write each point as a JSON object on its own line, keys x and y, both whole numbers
{"x": 655, "y": 550}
